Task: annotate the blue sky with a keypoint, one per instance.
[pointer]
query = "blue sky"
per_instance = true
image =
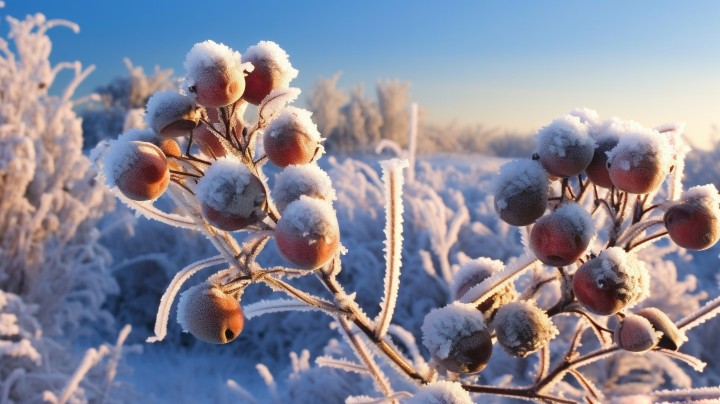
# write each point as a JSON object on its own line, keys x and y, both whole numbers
{"x": 509, "y": 64}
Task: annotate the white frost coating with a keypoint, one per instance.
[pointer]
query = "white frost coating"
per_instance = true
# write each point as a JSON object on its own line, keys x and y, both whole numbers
{"x": 555, "y": 138}
{"x": 523, "y": 328}
{"x": 310, "y": 216}
{"x": 140, "y": 135}
{"x": 578, "y": 217}
{"x": 615, "y": 128}
{"x": 443, "y": 327}
{"x": 625, "y": 270}
{"x": 587, "y": 116}
{"x": 393, "y": 180}
{"x": 191, "y": 297}
{"x": 212, "y": 55}
{"x": 275, "y": 306}
{"x": 122, "y": 155}
{"x": 268, "y": 51}
{"x": 166, "y": 107}
{"x": 475, "y": 271}
{"x": 705, "y": 196}
{"x": 636, "y": 144}
{"x": 294, "y": 118}
{"x": 636, "y": 334}
{"x": 441, "y": 392}
{"x": 223, "y": 185}
{"x": 302, "y": 179}
{"x": 518, "y": 176}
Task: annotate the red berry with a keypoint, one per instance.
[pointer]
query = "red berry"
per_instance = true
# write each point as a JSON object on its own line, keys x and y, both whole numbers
{"x": 171, "y": 114}
{"x": 138, "y": 169}
{"x": 271, "y": 70}
{"x": 694, "y": 222}
{"x": 522, "y": 328}
{"x": 168, "y": 146}
{"x": 640, "y": 162}
{"x": 561, "y": 237}
{"x": 231, "y": 197}
{"x": 303, "y": 179}
{"x": 214, "y": 74}
{"x": 610, "y": 282}
{"x": 672, "y": 337}
{"x": 307, "y": 234}
{"x": 564, "y": 146}
{"x": 209, "y": 314}
{"x": 472, "y": 273}
{"x": 292, "y": 138}
{"x": 597, "y": 171}
{"x": 636, "y": 334}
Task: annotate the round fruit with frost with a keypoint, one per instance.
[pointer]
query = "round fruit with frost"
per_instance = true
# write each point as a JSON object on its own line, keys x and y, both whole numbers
{"x": 458, "y": 338}
{"x": 307, "y": 235}
{"x": 635, "y": 334}
{"x": 520, "y": 192}
{"x": 208, "y": 142}
{"x": 215, "y": 74}
{"x": 694, "y": 222}
{"x": 441, "y": 391}
{"x": 597, "y": 171}
{"x": 640, "y": 161}
{"x": 303, "y": 179}
{"x": 561, "y": 237}
{"x": 138, "y": 169}
{"x": 292, "y": 138}
{"x": 472, "y": 273}
{"x": 231, "y": 197}
{"x": 209, "y": 314}
{"x": 168, "y": 146}
{"x": 522, "y": 328}
{"x": 271, "y": 70}
{"x": 171, "y": 114}
{"x": 672, "y": 338}
{"x": 610, "y": 282}
{"x": 564, "y": 147}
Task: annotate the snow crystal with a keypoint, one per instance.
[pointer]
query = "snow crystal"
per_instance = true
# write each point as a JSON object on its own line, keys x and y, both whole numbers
{"x": 636, "y": 334}
{"x": 191, "y": 297}
{"x": 587, "y": 116}
{"x": 625, "y": 270}
{"x": 441, "y": 392}
{"x": 223, "y": 188}
{"x": 269, "y": 51}
{"x": 556, "y": 138}
{"x": 296, "y": 118}
{"x": 212, "y": 55}
{"x": 303, "y": 179}
{"x": 165, "y": 107}
{"x": 442, "y": 327}
{"x": 140, "y": 135}
{"x": 523, "y": 328}
{"x": 706, "y": 196}
{"x": 578, "y": 217}
{"x": 638, "y": 143}
{"x": 122, "y": 155}
{"x": 310, "y": 216}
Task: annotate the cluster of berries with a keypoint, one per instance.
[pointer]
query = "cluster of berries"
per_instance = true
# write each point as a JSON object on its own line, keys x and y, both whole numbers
{"x": 222, "y": 176}
{"x": 582, "y": 156}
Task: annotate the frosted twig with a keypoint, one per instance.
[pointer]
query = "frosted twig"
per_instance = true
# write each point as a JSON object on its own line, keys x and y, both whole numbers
{"x": 393, "y": 398}
{"x": 240, "y": 391}
{"x": 274, "y": 306}
{"x": 393, "y": 179}
{"x": 92, "y": 357}
{"x": 694, "y": 362}
{"x": 169, "y": 296}
{"x": 491, "y": 285}
{"x": 706, "y": 312}
{"x": 342, "y": 364}
{"x": 115, "y": 356}
{"x": 269, "y": 381}
{"x": 381, "y": 383}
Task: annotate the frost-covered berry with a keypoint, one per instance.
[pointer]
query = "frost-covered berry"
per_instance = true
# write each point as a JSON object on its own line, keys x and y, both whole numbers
{"x": 171, "y": 114}
{"x": 209, "y": 314}
{"x": 458, "y": 338}
{"x": 640, "y": 161}
{"x": 473, "y": 273}
{"x": 292, "y": 138}
{"x": 564, "y": 147}
{"x": 231, "y": 197}
{"x": 215, "y": 74}
{"x": 694, "y": 222}
{"x": 168, "y": 146}
{"x": 610, "y": 282}
{"x": 307, "y": 234}
{"x": 520, "y": 190}
{"x": 636, "y": 334}
{"x": 672, "y": 338}
{"x": 606, "y": 136}
{"x": 441, "y": 392}
{"x": 272, "y": 70}
{"x": 561, "y": 237}
{"x": 522, "y": 328}
{"x": 138, "y": 169}
{"x": 304, "y": 179}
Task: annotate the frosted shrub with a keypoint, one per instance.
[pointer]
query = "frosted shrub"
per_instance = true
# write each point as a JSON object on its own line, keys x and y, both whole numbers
{"x": 54, "y": 273}
{"x": 581, "y": 252}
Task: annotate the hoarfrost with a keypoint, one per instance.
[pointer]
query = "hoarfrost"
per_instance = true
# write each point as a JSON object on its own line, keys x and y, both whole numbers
{"x": 579, "y": 218}
{"x": 442, "y": 327}
{"x": 625, "y": 270}
{"x": 302, "y": 179}
{"x": 296, "y": 119}
{"x": 639, "y": 143}
{"x": 268, "y": 51}
{"x": 441, "y": 392}
{"x": 523, "y": 328}
{"x": 564, "y": 133}
{"x": 223, "y": 188}
{"x": 212, "y": 55}
{"x": 310, "y": 216}
{"x": 165, "y": 107}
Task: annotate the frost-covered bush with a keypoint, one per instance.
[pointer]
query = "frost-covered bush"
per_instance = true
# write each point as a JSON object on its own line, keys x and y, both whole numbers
{"x": 578, "y": 274}
{"x": 54, "y": 274}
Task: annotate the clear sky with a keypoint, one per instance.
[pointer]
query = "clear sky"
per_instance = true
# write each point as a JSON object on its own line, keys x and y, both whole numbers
{"x": 509, "y": 64}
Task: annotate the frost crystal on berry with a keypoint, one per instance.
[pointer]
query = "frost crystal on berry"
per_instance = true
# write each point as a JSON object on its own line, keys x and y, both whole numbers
{"x": 564, "y": 146}
{"x": 443, "y": 327}
{"x": 302, "y": 179}
{"x": 474, "y": 272}
{"x": 441, "y": 392}
{"x": 522, "y": 328}
{"x": 520, "y": 191}
{"x": 170, "y": 113}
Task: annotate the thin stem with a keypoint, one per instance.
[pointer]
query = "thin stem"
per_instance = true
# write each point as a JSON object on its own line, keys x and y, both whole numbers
{"x": 647, "y": 239}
